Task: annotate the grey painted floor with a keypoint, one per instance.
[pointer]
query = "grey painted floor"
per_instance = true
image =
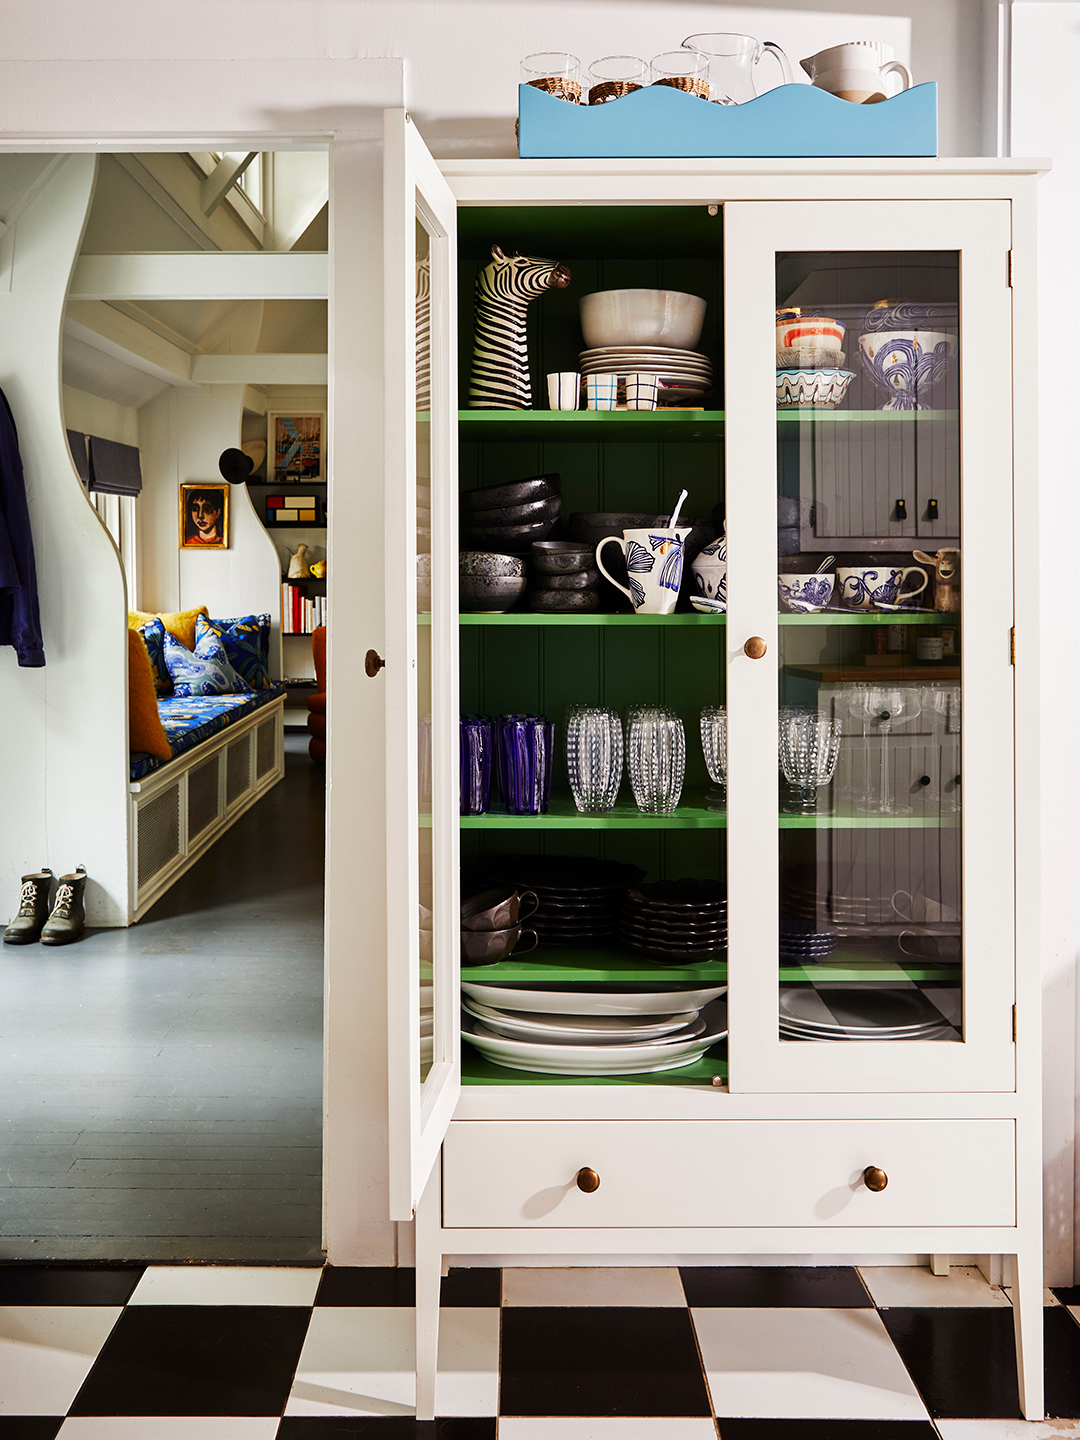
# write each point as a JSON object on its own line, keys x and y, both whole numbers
{"x": 161, "y": 1085}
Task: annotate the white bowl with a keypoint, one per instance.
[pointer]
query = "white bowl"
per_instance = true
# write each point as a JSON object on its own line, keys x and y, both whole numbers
{"x": 824, "y": 388}
{"x": 642, "y": 317}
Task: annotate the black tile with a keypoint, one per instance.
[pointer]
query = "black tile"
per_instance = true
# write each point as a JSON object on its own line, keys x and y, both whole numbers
{"x": 68, "y": 1284}
{"x": 31, "y": 1427}
{"x": 600, "y": 1361}
{"x": 477, "y": 1286}
{"x": 367, "y": 1285}
{"x": 964, "y": 1361}
{"x": 815, "y": 1287}
{"x": 826, "y": 1430}
{"x": 394, "y": 1427}
{"x": 196, "y": 1360}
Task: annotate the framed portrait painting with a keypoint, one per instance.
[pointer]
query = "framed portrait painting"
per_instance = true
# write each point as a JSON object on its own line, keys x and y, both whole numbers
{"x": 204, "y": 516}
{"x": 295, "y": 443}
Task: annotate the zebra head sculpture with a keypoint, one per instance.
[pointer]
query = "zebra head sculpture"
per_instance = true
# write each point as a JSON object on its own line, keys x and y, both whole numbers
{"x": 504, "y": 290}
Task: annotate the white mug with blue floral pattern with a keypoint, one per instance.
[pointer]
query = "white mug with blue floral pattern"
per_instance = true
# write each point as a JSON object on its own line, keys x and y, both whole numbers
{"x": 878, "y": 587}
{"x": 806, "y": 593}
{"x": 654, "y": 567}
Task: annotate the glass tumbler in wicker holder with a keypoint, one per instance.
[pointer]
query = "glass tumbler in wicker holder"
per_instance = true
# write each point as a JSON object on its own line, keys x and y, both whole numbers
{"x": 655, "y": 757}
{"x": 714, "y": 747}
{"x": 594, "y": 756}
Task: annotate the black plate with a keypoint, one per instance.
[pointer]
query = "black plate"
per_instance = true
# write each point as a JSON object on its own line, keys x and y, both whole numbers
{"x": 682, "y": 893}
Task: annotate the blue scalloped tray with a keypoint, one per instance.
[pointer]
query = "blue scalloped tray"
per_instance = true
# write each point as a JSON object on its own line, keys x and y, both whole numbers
{"x": 792, "y": 121}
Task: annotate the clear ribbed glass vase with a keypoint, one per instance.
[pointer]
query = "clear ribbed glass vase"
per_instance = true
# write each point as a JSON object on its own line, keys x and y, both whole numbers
{"x": 714, "y": 748}
{"x": 594, "y": 756}
{"x": 655, "y": 757}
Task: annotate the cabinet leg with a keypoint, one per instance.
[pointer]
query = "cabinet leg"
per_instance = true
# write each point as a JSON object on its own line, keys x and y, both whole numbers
{"x": 428, "y": 1287}
{"x": 939, "y": 1264}
{"x": 1027, "y": 1299}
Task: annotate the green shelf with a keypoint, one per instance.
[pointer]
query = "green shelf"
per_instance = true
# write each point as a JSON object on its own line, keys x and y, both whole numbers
{"x": 846, "y": 966}
{"x": 874, "y": 617}
{"x": 567, "y": 964}
{"x": 475, "y": 1070}
{"x": 564, "y": 815}
{"x": 596, "y": 619}
{"x": 591, "y": 425}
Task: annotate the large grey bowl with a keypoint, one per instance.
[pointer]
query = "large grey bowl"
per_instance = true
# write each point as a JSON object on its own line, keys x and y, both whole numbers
{"x": 668, "y": 318}
{"x": 517, "y": 492}
{"x": 486, "y": 563}
{"x": 490, "y": 594}
{"x": 561, "y": 557}
{"x": 576, "y": 580}
{"x": 565, "y": 601}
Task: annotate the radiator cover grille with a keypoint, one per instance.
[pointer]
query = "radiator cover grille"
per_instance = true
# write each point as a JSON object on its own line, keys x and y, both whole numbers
{"x": 202, "y": 802}
{"x": 265, "y": 748}
{"x": 237, "y": 768}
{"x": 159, "y": 833}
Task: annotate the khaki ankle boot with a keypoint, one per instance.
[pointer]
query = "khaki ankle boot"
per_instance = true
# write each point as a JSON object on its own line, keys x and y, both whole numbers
{"x": 68, "y": 919}
{"x": 26, "y": 928}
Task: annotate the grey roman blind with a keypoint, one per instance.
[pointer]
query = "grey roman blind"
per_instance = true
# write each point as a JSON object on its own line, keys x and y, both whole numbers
{"x": 114, "y": 468}
{"x": 77, "y": 445}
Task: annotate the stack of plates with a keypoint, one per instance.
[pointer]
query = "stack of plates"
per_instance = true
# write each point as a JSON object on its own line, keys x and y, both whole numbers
{"x": 625, "y": 1030}
{"x": 580, "y": 899}
{"x": 683, "y": 374}
{"x": 870, "y": 1013}
{"x": 856, "y": 898}
{"x": 801, "y": 940}
{"x": 676, "y": 919}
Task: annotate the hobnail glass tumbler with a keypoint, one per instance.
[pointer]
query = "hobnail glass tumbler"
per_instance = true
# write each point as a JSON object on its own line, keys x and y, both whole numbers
{"x": 809, "y": 748}
{"x": 655, "y": 757}
{"x": 714, "y": 746}
{"x": 594, "y": 756}
{"x": 527, "y": 744}
{"x": 477, "y": 748}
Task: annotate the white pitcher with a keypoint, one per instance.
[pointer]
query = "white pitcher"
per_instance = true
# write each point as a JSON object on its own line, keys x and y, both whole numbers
{"x": 856, "y": 71}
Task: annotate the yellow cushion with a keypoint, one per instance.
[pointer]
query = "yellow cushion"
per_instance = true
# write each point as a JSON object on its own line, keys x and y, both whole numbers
{"x": 180, "y": 624}
{"x": 145, "y": 730}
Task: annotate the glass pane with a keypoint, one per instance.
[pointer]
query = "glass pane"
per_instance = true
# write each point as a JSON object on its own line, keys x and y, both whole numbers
{"x": 869, "y": 530}
{"x": 423, "y": 640}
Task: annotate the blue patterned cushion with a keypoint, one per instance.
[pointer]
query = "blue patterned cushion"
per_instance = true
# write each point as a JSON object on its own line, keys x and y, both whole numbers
{"x": 247, "y": 645}
{"x": 189, "y": 722}
{"x": 154, "y": 634}
{"x": 202, "y": 671}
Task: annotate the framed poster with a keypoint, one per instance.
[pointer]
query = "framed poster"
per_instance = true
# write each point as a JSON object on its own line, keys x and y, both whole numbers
{"x": 295, "y": 444}
{"x": 204, "y": 516}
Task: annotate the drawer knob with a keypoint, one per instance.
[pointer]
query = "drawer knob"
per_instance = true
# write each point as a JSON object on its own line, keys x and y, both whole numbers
{"x": 755, "y": 647}
{"x": 588, "y": 1180}
{"x": 874, "y": 1179}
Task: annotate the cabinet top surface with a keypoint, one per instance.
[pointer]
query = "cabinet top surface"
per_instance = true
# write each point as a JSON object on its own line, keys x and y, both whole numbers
{"x": 980, "y": 166}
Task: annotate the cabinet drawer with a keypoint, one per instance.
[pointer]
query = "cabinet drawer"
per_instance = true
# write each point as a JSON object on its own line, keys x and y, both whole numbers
{"x": 728, "y": 1173}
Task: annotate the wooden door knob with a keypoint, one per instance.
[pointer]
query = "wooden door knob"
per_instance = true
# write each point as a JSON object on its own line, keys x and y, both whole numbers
{"x": 373, "y": 663}
{"x": 588, "y": 1180}
{"x": 755, "y": 647}
{"x": 874, "y": 1179}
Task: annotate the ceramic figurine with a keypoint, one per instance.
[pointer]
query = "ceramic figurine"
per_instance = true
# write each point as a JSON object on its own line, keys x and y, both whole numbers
{"x": 298, "y": 568}
{"x": 946, "y": 564}
{"x": 504, "y": 289}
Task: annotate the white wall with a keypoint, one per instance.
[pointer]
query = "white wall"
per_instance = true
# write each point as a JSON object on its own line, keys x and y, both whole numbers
{"x": 94, "y": 415}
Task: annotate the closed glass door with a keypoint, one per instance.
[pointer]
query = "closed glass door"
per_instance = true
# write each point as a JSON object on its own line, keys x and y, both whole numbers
{"x": 887, "y": 665}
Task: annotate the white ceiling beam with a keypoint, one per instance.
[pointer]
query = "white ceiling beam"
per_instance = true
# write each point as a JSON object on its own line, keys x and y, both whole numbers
{"x": 222, "y": 178}
{"x": 260, "y": 370}
{"x": 174, "y": 368}
{"x": 299, "y": 275}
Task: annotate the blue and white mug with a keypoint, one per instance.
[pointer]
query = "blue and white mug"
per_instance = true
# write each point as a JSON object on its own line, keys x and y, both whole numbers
{"x": 654, "y": 566}
{"x": 878, "y": 587}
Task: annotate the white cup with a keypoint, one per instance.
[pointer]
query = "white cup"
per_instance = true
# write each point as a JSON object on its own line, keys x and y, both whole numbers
{"x": 602, "y": 391}
{"x": 641, "y": 392}
{"x": 654, "y": 567}
{"x": 564, "y": 390}
{"x": 856, "y": 71}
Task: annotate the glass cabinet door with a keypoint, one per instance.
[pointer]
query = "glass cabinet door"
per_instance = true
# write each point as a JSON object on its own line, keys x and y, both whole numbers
{"x": 877, "y": 907}
{"x": 421, "y": 671}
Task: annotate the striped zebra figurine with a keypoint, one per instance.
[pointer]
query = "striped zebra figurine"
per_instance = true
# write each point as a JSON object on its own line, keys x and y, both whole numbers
{"x": 500, "y": 372}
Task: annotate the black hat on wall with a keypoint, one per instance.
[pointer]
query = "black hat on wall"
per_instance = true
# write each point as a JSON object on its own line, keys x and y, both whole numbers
{"x": 235, "y": 466}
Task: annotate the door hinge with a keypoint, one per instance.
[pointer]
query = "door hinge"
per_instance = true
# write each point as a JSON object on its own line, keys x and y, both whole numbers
{"x": 1014, "y": 1023}
{"x": 1012, "y": 645}
{"x": 1009, "y": 263}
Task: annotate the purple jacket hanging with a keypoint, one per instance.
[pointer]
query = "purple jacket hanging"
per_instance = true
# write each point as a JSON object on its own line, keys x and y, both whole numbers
{"x": 20, "y": 623}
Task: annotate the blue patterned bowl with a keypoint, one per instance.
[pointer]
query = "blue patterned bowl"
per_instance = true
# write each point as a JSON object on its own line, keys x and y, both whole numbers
{"x": 905, "y": 365}
{"x": 805, "y": 594}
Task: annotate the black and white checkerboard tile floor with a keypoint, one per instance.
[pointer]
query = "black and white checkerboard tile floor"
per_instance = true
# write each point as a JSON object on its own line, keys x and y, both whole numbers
{"x": 219, "y": 1353}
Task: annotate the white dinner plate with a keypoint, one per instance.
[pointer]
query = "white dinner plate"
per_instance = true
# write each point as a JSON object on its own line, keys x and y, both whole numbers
{"x": 874, "y": 1008}
{"x": 639, "y": 1059}
{"x": 591, "y": 1028}
{"x": 659, "y": 352}
{"x": 941, "y": 1032}
{"x": 618, "y": 999}
{"x": 537, "y": 1035}
{"x": 885, "y": 1031}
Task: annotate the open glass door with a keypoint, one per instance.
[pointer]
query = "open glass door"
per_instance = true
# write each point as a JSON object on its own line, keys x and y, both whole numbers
{"x": 887, "y": 912}
{"x": 419, "y": 261}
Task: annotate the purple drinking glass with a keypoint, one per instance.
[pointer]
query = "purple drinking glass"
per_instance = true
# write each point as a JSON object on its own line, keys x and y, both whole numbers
{"x": 528, "y": 744}
{"x": 477, "y": 750}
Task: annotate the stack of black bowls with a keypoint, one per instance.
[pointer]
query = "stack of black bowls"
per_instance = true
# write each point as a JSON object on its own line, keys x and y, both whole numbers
{"x": 508, "y": 518}
{"x": 563, "y": 578}
{"x": 676, "y": 920}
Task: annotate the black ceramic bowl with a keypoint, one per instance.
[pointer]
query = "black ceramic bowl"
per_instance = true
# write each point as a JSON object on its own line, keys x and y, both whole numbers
{"x": 517, "y": 492}
{"x": 490, "y": 594}
{"x": 577, "y": 580}
{"x": 564, "y": 602}
{"x": 530, "y": 513}
{"x": 488, "y": 563}
{"x": 561, "y": 557}
{"x": 514, "y": 538}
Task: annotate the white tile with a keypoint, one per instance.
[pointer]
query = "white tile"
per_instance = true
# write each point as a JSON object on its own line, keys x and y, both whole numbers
{"x": 169, "y": 1427}
{"x": 914, "y": 1285}
{"x": 46, "y": 1353}
{"x": 226, "y": 1285}
{"x": 360, "y": 1361}
{"x": 805, "y": 1363}
{"x": 1007, "y": 1429}
{"x": 607, "y": 1427}
{"x": 624, "y": 1286}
